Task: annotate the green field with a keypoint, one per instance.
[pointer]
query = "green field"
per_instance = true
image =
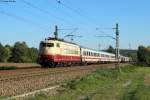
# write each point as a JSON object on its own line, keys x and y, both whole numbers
{"x": 107, "y": 84}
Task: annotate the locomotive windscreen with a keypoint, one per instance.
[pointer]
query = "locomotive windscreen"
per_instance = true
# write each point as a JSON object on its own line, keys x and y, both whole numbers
{"x": 47, "y": 45}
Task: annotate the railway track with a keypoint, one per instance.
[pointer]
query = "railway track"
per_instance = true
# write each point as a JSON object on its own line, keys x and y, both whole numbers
{"x": 32, "y": 80}
{"x": 43, "y": 72}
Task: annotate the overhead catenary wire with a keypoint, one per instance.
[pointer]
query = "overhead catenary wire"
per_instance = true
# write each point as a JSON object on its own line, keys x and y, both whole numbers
{"x": 74, "y": 10}
{"x": 14, "y": 16}
{"x": 71, "y": 35}
{"x": 67, "y": 15}
{"x": 87, "y": 18}
{"x": 45, "y": 11}
{"x": 97, "y": 29}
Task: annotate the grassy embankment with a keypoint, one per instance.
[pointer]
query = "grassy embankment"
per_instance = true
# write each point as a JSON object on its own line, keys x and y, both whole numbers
{"x": 107, "y": 84}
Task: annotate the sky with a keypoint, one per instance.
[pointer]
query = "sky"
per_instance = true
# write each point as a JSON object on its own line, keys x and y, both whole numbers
{"x": 34, "y": 20}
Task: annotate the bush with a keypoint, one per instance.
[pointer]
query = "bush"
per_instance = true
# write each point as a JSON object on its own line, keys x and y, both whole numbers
{"x": 143, "y": 55}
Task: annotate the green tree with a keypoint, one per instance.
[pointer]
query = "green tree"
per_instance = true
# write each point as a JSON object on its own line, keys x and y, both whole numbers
{"x": 33, "y": 54}
{"x": 9, "y": 51}
{"x": 147, "y": 56}
{"x": 141, "y": 54}
{"x": 110, "y": 49}
{"x": 4, "y": 53}
{"x": 144, "y": 55}
{"x": 20, "y": 53}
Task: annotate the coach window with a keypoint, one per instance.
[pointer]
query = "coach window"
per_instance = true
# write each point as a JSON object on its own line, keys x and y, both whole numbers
{"x": 84, "y": 53}
{"x": 99, "y": 55}
{"x": 58, "y": 45}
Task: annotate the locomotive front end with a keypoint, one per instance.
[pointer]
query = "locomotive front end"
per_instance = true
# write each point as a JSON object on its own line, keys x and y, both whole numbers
{"x": 47, "y": 51}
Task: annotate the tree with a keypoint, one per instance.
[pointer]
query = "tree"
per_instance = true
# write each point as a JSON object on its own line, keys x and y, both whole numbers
{"x": 33, "y": 54}
{"x": 20, "y": 52}
{"x": 141, "y": 53}
{"x": 110, "y": 49}
{"x": 4, "y": 53}
{"x": 144, "y": 55}
{"x": 147, "y": 56}
{"x": 9, "y": 50}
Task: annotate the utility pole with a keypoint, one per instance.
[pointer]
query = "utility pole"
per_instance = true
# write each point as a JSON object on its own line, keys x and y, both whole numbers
{"x": 56, "y": 32}
{"x": 117, "y": 47}
{"x": 117, "y": 54}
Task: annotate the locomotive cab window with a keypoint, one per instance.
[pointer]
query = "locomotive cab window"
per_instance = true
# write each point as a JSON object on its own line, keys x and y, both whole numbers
{"x": 47, "y": 44}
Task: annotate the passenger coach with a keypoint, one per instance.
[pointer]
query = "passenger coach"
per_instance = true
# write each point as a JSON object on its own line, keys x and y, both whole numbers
{"x": 94, "y": 56}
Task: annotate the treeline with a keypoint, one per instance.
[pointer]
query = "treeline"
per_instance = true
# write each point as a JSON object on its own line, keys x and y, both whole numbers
{"x": 143, "y": 55}
{"x": 132, "y": 54}
{"x": 19, "y": 53}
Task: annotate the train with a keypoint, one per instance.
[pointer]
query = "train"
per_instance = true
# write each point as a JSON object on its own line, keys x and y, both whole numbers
{"x": 54, "y": 51}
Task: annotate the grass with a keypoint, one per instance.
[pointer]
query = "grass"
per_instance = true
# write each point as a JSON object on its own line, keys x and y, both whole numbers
{"x": 106, "y": 84}
{"x": 2, "y": 98}
{"x": 8, "y": 67}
